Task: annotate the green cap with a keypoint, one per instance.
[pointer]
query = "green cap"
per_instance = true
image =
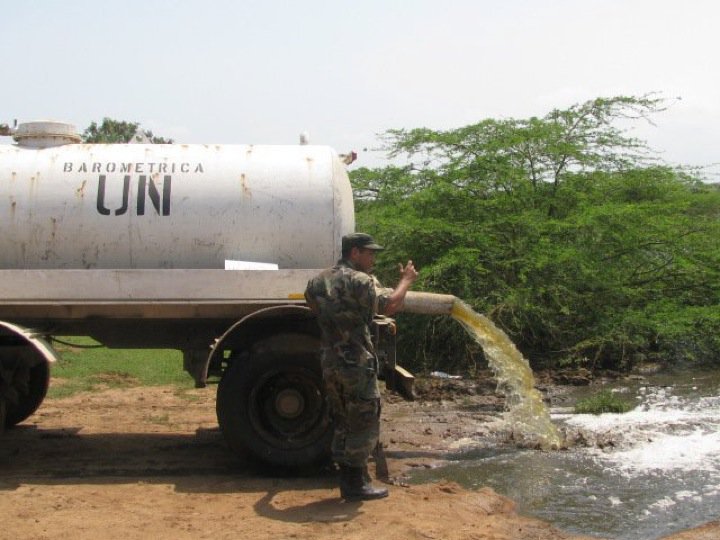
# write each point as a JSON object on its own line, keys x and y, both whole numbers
{"x": 359, "y": 240}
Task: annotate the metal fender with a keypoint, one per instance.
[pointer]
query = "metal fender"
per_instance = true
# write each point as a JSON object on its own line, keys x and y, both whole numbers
{"x": 235, "y": 331}
{"x": 38, "y": 343}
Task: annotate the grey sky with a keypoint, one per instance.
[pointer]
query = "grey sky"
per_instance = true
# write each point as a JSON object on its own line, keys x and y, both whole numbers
{"x": 204, "y": 71}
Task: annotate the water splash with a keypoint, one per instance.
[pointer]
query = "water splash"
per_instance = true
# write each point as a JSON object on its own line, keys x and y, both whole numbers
{"x": 665, "y": 433}
{"x": 527, "y": 414}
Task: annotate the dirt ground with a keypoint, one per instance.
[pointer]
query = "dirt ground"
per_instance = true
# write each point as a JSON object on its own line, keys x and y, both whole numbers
{"x": 142, "y": 463}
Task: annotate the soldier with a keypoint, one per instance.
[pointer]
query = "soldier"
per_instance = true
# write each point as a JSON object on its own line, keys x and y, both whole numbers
{"x": 345, "y": 299}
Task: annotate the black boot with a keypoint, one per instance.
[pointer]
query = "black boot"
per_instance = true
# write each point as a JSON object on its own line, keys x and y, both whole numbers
{"x": 355, "y": 487}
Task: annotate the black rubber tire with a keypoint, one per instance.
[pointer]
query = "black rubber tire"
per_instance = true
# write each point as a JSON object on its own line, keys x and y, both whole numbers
{"x": 3, "y": 410}
{"x": 28, "y": 403}
{"x": 249, "y": 407}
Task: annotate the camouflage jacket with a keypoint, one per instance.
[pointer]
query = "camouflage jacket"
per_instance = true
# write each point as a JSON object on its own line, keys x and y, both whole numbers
{"x": 345, "y": 301}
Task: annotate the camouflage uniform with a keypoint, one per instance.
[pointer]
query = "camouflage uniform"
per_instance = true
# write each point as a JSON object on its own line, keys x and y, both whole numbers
{"x": 346, "y": 301}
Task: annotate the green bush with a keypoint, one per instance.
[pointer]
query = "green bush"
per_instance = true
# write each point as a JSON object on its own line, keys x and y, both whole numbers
{"x": 560, "y": 230}
{"x": 604, "y": 401}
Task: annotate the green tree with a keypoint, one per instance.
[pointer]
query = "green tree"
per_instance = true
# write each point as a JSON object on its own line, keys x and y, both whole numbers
{"x": 530, "y": 158}
{"x": 566, "y": 231}
{"x": 116, "y": 131}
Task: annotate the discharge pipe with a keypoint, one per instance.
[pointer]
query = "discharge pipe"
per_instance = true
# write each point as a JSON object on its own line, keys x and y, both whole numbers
{"x": 428, "y": 303}
{"x": 530, "y": 418}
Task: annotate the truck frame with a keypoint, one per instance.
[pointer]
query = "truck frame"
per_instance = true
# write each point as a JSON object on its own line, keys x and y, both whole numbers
{"x": 251, "y": 329}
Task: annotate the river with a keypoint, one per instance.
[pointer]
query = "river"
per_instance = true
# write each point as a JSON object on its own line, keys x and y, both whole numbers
{"x": 640, "y": 475}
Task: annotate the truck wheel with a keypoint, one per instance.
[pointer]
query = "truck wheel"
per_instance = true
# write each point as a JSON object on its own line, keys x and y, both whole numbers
{"x": 271, "y": 404}
{"x": 31, "y": 385}
{"x": 3, "y": 410}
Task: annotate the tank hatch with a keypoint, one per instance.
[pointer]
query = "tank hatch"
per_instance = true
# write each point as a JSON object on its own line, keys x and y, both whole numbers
{"x": 45, "y": 134}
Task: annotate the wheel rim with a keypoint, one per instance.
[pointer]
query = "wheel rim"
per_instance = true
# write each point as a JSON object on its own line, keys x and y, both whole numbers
{"x": 287, "y": 409}
{"x": 289, "y": 403}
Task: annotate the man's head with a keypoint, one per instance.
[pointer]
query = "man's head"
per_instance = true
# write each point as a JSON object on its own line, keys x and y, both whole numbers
{"x": 360, "y": 249}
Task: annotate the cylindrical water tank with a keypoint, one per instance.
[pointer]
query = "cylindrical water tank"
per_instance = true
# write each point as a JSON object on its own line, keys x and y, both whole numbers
{"x": 171, "y": 206}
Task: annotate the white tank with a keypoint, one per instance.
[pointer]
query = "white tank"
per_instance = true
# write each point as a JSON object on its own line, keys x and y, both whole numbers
{"x": 170, "y": 206}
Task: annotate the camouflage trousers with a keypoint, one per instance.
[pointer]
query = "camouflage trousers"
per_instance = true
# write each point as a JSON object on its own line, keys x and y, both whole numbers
{"x": 354, "y": 401}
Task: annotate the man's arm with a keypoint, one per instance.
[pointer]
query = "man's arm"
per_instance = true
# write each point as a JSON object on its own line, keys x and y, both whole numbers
{"x": 408, "y": 275}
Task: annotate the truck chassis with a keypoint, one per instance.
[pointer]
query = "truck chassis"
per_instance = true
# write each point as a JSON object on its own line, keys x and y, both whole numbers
{"x": 250, "y": 329}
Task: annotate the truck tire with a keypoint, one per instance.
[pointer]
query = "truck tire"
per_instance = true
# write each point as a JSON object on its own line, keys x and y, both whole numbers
{"x": 3, "y": 410}
{"x": 271, "y": 404}
{"x": 30, "y": 396}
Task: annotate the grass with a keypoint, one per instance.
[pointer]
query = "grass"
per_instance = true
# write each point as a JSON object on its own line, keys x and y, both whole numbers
{"x": 87, "y": 369}
{"x": 604, "y": 401}
{"x": 162, "y": 419}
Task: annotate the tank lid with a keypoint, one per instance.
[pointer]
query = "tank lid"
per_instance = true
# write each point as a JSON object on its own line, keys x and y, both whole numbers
{"x": 45, "y": 133}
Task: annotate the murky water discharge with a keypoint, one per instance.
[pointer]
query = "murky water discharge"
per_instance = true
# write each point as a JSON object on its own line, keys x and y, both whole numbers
{"x": 528, "y": 417}
{"x": 642, "y": 475}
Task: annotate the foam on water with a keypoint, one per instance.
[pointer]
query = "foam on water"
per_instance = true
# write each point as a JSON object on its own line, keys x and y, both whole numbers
{"x": 643, "y": 474}
{"x": 697, "y": 451}
{"x": 665, "y": 432}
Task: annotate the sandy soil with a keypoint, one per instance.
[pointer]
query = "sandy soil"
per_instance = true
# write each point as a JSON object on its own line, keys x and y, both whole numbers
{"x": 151, "y": 463}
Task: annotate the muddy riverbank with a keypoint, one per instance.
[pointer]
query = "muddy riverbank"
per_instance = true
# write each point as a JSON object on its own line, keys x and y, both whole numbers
{"x": 150, "y": 462}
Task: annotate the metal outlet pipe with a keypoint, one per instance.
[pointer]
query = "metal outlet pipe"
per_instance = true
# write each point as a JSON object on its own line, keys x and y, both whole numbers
{"x": 428, "y": 303}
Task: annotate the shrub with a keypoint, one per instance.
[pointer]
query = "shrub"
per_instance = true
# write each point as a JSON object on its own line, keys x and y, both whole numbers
{"x": 602, "y": 402}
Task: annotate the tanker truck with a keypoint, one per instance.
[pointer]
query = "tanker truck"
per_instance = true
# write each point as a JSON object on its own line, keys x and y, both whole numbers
{"x": 205, "y": 249}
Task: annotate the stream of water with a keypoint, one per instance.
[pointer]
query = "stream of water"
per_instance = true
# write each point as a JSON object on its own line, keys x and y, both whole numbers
{"x": 527, "y": 416}
{"x": 634, "y": 476}
{"x": 641, "y": 475}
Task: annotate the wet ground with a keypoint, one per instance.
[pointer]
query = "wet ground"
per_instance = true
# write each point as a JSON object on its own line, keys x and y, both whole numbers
{"x": 150, "y": 462}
